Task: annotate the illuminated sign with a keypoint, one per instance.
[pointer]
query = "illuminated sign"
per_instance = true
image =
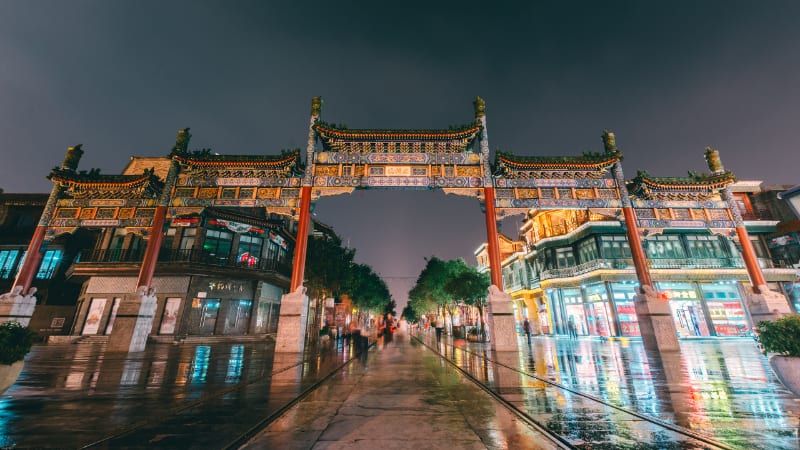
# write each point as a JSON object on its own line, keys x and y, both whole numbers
{"x": 679, "y": 295}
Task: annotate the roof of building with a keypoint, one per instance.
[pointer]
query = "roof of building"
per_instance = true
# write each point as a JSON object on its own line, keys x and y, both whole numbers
{"x": 505, "y": 161}
{"x": 696, "y": 185}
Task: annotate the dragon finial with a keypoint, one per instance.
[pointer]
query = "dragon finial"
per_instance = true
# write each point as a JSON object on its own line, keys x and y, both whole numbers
{"x": 714, "y": 162}
{"x": 72, "y": 157}
{"x": 610, "y": 142}
{"x": 182, "y": 141}
{"x": 316, "y": 106}
{"x": 480, "y": 107}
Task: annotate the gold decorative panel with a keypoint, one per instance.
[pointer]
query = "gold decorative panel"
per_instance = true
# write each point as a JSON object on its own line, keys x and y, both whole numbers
{"x": 267, "y": 193}
{"x": 67, "y": 213}
{"x": 207, "y": 193}
{"x": 106, "y": 213}
{"x": 88, "y": 213}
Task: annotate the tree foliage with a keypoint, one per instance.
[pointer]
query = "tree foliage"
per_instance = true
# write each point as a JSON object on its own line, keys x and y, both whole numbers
{"x": 442, "y": 284}
{"x": 331, "y": 271}
{"x": 328, "y": 267}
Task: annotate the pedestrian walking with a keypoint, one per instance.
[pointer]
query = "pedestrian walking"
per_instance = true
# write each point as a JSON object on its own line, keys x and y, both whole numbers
{"x": 526, "y": 326}
{"x": 439, "y": 326}
{"x": 572, "y": 328}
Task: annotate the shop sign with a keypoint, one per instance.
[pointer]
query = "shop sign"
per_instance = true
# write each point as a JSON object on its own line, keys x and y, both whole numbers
{"x": 227, "y": 286}
{"x": 278, "y": 240}
{"x": 189, "y": 222}
{"x": 781, "y": 241}
{"x": 679, "y": 295}
{"x": 236, "y": 227}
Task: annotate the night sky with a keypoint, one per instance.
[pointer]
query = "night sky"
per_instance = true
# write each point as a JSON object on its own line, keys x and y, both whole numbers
{"x": 669, "y": 78}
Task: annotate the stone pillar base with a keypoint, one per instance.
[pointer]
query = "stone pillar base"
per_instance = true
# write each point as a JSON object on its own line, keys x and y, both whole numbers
{"x": 655, "y": 321}
{"x": 502, "y": 328}
{"x": 766, "y": 306}
{"x": 133, "y": 323}
{"x": 292, "y": 322}
{"x": 16, "y": 308}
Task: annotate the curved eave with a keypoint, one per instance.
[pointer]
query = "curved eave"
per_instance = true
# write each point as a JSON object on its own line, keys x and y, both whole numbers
{"x": 238, "y": 161}
{"x": 557, "y": 163}
{"x": 102, "y": 184}
{"x": 327, "y": 132}
{"x": 663, "y": 184}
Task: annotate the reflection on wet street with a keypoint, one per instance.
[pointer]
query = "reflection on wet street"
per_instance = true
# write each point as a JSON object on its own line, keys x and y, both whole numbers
{"x": 598, "y": 394}
{"x": 583, "y": 389}
{"x": 70, "y": 396}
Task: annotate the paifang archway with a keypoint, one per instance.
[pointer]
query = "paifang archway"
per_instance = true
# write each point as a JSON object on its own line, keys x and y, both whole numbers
{"x": 455, "y": 160}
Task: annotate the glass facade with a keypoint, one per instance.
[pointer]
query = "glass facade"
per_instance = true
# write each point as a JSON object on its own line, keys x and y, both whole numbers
{"x": 687, "y": 308}
{"x": 8, "y": 263}
{"x": 598, "y": 311}
{"x": 203, "y": 317}
{"x": 725, "y": 310}
{"x": 623, "y": 294}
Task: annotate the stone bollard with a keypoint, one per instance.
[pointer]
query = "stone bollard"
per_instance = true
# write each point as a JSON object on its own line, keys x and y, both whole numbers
{"x": 502, "y": 326}
{"x": 655, "y": 321}
{"x": 17, "y": 308}
{"x": 133, "y": 322}
{"x": 292, "y": 322}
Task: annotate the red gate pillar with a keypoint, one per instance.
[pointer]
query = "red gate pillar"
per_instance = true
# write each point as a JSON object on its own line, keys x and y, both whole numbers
{"x": 637, "y": 250}
{"x": 653, "y": 313}
{"x": 763, "y": 304}
{"x": 153, "y": 246}
{"x": 301, "y": 244}
{"x": 492, "y": 238}
{"x": 34, "y": 256}
{"x": 32, "y": 259}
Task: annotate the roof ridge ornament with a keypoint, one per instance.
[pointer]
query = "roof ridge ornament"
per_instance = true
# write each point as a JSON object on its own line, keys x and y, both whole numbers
{"x": 480, "y": 107}
{"x": 182, "y": 141}
{"x": 316, "y": 106}
{"x": 714, "y": 162}
{"x": 72, "y": 158}
{"x": 610, "y": 143}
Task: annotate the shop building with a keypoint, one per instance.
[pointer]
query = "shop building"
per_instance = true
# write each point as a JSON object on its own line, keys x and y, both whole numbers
{"x": 574, "y": 266}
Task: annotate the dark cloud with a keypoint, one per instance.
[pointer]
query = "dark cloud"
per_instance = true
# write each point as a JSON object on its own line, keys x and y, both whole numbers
{"x": 668, "y": 77}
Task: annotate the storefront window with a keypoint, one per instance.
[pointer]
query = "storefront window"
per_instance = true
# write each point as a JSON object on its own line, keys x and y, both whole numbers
{"x": 565, "y": 257}
{"x": 793, "y": 292}
{"x": 664, "y": 246}
{"x": 687, "y": 310}
{"x": 702, "y": 246}
{"x": 204, "y": 316}
{"x": 8, "y": 260}
{"x": 725, "y": 308}
{"x": 599, "y": 311}
{"x": 573, "y": 305}
{"x": 48, "y": 265}
{"x": 249, "y": 250}
{"x": 624, "y": 294}
{"x": 237, "y": 317}
{"x": 587, "y": 250}
{"x": 187, "y": 238}
{"x": 218, "y": 244}
{"x": 615, "y": 247}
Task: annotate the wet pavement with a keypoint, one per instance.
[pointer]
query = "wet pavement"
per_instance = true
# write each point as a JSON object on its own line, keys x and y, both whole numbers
{"x": 585, "y": 389}
{"x": 602, "y": 394}
{"x": 170, "y": 396}
{"x": 401, "y": 396}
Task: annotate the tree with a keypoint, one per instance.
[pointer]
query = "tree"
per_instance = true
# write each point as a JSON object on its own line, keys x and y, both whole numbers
{"x": 328, "y": 266}
{"x": 471, "y": 287}
{"x": 410, "y": 314}
{"x": 430, "y": 291}
{"x": 367, "y": 290}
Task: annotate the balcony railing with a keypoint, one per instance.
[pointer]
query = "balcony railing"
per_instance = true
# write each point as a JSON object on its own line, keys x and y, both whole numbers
{"x": 627, "y": 263}
{"x": 186, "y": 256}
{"x": 590, "y": 266}
{"x": 696, "y": 263}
